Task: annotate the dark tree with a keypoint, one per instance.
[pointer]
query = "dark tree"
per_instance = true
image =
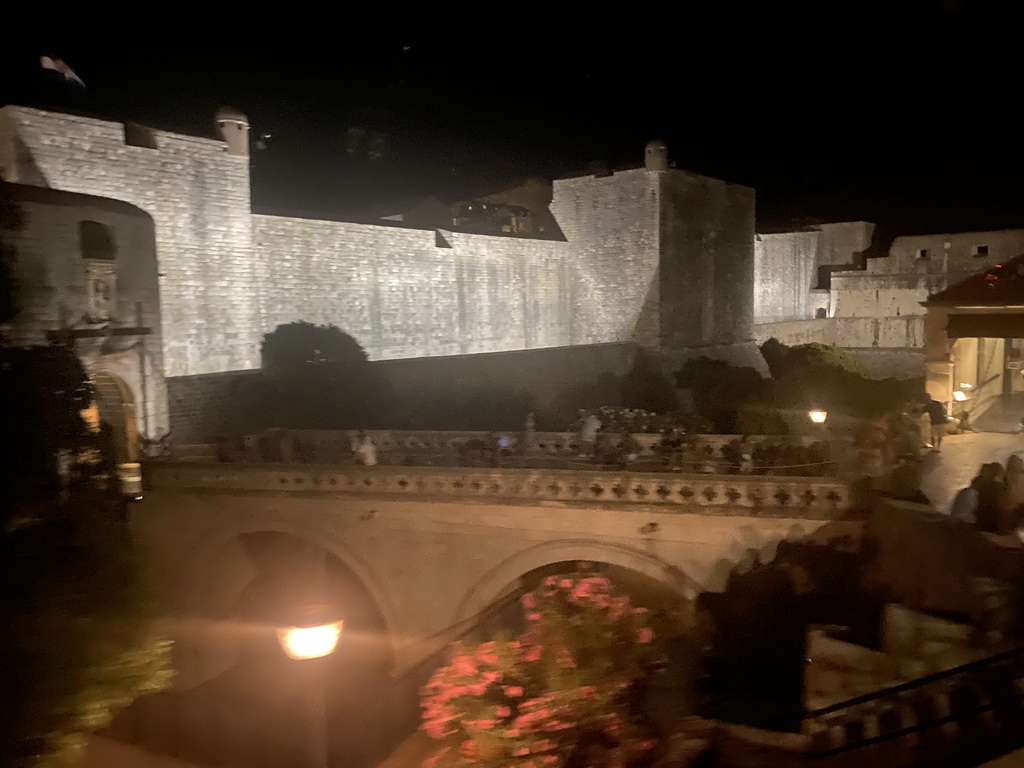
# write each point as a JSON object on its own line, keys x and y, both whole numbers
{"x": 321, "y": 378}
{"x": 645, "y": 386}
{"x": 11, "y": 221}
{"x": 720, "y": 390}
{"x": 79, "y": 638}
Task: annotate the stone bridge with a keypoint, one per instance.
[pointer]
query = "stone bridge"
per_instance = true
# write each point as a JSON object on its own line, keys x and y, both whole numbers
{"x": 432, "y": 547}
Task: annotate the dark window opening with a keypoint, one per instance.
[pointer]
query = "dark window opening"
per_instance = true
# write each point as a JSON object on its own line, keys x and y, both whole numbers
{"x": 981, "y": 250}
{"x": 820, "y": 313}
{"x": 139, "y": 136}
{"x": 924, "y": 254}
{"x": 96, "y": 241}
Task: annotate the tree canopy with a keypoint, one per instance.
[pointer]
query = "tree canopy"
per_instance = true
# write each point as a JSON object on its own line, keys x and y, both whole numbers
{"x": 320, "y": 378}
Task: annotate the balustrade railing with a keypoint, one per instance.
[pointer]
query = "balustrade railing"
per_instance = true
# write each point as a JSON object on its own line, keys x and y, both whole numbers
{"x": 813, "y": 498}
{"x": 709, "y": 454}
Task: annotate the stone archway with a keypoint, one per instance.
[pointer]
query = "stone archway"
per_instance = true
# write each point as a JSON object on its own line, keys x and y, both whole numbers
{"x": 233, "y": 678}
{"x": 504, "y": 576}
{"x": 116, "y": 408}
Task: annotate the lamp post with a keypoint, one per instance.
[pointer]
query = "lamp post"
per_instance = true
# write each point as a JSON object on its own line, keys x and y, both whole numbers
{"x": 313, "y": 636}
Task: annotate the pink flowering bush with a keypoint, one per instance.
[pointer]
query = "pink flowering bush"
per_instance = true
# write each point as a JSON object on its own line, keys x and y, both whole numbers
{"x": 561, "y": 690}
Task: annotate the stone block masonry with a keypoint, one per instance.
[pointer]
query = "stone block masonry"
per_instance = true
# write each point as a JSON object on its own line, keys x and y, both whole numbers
{"x": 212, "y": 405}
{"x": 198, "y": 196}
{"x": 654, "y": 257}
{"x": 405, "y": 292}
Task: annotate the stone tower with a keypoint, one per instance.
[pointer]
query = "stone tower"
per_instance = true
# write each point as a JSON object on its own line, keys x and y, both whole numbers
{"x": 656, "y": 155}
{"x": 665, "y": 257}
{"x": 233, "y": 128}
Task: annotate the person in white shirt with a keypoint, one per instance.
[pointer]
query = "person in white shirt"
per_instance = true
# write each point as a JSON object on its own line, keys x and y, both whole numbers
{"x": 364, "y": 449}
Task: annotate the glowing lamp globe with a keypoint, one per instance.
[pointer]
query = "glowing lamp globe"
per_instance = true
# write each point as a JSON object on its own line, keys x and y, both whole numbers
{"x": 818, "y": 416}
{"x": 313, "y": 636}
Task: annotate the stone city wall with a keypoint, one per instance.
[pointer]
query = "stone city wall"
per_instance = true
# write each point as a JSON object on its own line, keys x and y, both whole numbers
{"x": 787, "y": 268}
{"x": 706, "y": 270}
{"x": 611, "y": 226}
{"x": 848, "y": 332}
{"x": 406, "y": 293}
{"x": 785, "y": 271}
{"x": 198, "y": 196}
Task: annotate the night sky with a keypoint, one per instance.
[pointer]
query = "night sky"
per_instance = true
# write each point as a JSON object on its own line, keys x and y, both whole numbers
{"x": 911, "y": 117}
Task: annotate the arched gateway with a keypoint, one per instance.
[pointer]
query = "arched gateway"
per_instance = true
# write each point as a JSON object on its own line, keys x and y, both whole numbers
{"x": 115, "y": 406}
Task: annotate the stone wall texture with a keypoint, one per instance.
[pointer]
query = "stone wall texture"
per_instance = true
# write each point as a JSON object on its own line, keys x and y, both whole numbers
{"x": 706, "y": 261}
{"x": 207, "y": 406}
{"x": 666, "y": 260}
{"x": 785, "y": 271}
{"x": 787, "y": 279}
{"x": 611, "y": 224}
{"x": 52, "y": 290}
{"x": 640, "y": 247}
{"x": 415, "y": 293}
{"x": 917, "y": 266}
{"x": 198, "y": 197}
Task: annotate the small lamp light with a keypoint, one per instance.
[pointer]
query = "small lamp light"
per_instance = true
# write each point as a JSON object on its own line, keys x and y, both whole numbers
{"x": 959, "y": 396}
{"x": 313, "y": 636}
{"x": 817, "y": 415}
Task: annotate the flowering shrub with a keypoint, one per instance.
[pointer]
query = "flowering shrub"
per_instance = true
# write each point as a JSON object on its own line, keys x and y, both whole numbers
{"x": 563, "y": 689}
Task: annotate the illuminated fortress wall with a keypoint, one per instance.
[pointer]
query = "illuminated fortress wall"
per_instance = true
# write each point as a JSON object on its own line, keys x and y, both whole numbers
{"x": 652, "y": 256}
{"x": 198, "y": 196}
{"x": 415, "y": 293}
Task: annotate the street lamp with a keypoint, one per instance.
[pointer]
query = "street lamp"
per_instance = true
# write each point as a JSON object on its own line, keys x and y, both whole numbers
{"x": 313, "y": 636}
{"x": 817, "y": 415}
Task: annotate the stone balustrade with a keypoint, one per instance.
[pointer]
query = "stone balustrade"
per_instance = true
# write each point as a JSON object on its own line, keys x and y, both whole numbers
{"x": 770, "y": 454}
{"x": 810, "y": 498}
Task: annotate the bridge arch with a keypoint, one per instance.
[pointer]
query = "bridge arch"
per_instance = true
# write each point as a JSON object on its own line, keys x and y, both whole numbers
{"x": 218, "y": 572}
{"x": 498, "y": 580}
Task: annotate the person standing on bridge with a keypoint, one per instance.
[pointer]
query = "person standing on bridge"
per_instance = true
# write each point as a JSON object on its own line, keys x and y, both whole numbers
{"x": 588, "y": 425}
{"x": 364, "y": 449}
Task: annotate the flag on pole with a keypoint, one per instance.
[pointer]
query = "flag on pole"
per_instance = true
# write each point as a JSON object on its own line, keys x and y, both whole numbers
{"x": 57, "y": 65}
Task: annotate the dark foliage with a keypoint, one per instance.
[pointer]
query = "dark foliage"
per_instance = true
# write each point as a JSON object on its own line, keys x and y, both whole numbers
{"x": 753, "y": 673}
{"x": 78, "y": 642}
{"x": 319, "y": 377}
{"x": 719, "y": 389}
{"x": 645, "y": 386}
{"x": 479, "y": 409}
{"x": 739, "y": 401}
{"x": 43, "y": 391}
{"x": 11, "y": 220}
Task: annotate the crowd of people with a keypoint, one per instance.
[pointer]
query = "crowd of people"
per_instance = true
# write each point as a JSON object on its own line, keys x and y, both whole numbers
{"x": 994, "y": 501}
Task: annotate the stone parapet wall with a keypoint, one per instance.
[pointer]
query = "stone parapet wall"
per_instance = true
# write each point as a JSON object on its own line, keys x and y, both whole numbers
{"x": 848, "y": 332}
{"x": 800, "y": 498}
{"x": 205, "y": 406}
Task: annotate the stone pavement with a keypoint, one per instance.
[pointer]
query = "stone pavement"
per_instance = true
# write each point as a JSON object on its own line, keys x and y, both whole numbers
{"x": 947, "y": 472}
{"x": 1003, "y": 415}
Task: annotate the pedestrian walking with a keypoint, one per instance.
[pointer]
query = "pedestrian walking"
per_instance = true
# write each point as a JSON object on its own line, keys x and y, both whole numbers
{"x": 937, "y": 416}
